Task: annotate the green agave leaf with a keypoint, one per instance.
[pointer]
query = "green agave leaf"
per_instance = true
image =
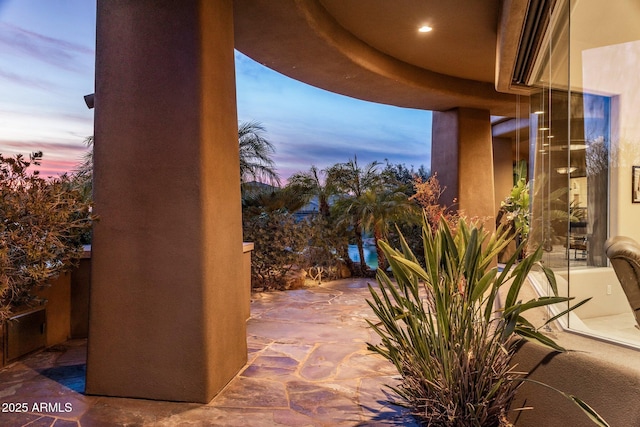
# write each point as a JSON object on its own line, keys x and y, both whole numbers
{"x": 407, "y": 281}
{"x": 401, "y": 274}
{"x": 471, "y": 255}
{"x": 551, "y": 278}
{"x": 559, "y": 315}
{"x": 521, "y": 272}
{"x": 449, "y": 241}
{"x": 414, "y": 267}
{"x": 406, "y": 250}
{"x": 591, "y": 413}
{"x": 536, "y": 336}
{"x": 525, "y": 323}
{"x": 483, "y": 284}
{"x": 538, "y": 302}
{"x": 588, "y": 410}
{"x": 489, "y": 304}
{"x": 497, "y": 242}
{"x": 512, "y": 324}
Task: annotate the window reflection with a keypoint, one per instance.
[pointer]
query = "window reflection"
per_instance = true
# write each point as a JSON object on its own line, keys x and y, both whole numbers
{"x": 585, "y": 140}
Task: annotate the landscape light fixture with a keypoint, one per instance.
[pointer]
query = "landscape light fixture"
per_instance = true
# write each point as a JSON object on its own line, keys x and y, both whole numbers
{"x": 89, "y": 99}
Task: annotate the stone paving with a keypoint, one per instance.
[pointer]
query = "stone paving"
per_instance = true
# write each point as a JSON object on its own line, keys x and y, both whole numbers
{"x": 308, "y": 365}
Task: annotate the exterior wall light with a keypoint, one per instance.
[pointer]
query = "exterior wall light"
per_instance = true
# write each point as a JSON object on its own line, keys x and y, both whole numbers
{"x": 89, "y": 99}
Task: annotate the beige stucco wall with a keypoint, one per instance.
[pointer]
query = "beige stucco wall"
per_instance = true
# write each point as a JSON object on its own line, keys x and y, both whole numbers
{"x": 503, "y": 169}
{"x": 166, "y": 316}
{"x": 613, "y": 70}
{"x": 462, "y": 156}
{"x": 80, "y": 287}
{"x": 58, "y": 296}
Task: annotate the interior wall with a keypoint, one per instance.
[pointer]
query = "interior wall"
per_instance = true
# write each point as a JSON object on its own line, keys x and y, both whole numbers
{"x": 613, "y": 70}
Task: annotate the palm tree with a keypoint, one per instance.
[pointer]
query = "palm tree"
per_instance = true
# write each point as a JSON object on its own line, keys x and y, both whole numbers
{"x": 277, "y": 199}
{"x": 255, "y": 154}
{"x": 312, "y": 185}
{"x": 379, "y": 209}
{"x": 255, "y": 158}
{"x": 320, "y": 183}
{"x": 354, "y": 181}
{"x": 83, "y": 174}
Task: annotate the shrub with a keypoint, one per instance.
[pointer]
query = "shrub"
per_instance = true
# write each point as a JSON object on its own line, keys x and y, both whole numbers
{"x": 439, "y": 327}
{"x": 279, "y": 242}
{"x": 41, "y": 224}
{"x": 427, "y": 195}
{"x": 327, "y": 245}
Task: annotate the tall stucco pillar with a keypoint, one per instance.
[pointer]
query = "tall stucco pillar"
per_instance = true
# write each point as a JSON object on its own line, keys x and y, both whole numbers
{"x": 502, "y": 169}
{"x": 166, "y": 317}
{"x": 462, "y": 156}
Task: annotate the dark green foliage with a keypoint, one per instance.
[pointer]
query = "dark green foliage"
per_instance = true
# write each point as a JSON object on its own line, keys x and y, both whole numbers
{"x": 269, "y": 200}
{"x": 324, "y": 255}
{"x": 41, "y": 227}
{"x": 279, "y": 243}
{"x": 404, "y": 176}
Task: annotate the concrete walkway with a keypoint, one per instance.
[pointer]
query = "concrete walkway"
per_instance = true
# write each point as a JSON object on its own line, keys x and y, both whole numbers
{"x": 308, "y": 366}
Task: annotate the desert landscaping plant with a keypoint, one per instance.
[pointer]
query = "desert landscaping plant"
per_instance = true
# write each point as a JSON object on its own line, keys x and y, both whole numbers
{"x": 427, "y": 194}
{"x": 441, "y": 328}
{"x": 279, "y": 242}
{"x": 42, "y": 222}
{"x": 515, "y": 208}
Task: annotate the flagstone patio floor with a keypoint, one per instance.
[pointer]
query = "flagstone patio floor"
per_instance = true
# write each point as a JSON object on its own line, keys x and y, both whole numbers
{"x": 308, "y": 365}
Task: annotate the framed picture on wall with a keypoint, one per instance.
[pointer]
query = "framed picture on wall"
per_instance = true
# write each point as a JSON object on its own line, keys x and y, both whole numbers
{"x": 635, "y": 185}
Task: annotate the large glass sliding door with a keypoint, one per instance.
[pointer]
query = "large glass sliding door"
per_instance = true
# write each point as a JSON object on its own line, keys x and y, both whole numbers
{"x": 585, "y": 140}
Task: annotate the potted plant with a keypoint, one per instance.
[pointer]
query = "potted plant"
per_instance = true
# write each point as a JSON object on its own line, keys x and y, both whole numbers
{"x": 440, "y": 325}
{"x": 42, "y": 222}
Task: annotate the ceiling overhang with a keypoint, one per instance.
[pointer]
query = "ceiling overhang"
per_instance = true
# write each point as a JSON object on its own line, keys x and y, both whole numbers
{"x": 521, "y": 34}
{"x": 320, "y": 43}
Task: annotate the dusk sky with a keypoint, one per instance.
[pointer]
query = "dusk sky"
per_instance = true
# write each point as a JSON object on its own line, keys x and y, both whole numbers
{"x": 47, "y": 50}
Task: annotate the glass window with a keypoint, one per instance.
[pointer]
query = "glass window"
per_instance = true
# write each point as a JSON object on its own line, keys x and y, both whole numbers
{"x": 585, "y": 140}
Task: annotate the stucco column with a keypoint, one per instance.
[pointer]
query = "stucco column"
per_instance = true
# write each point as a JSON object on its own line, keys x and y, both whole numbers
{"x": 502, "y": 169}
{"x": 166, "y": 317}
{"x": 462, "y": 156}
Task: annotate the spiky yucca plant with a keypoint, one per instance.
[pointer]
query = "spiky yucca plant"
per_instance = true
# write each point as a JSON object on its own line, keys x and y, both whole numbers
{"x": 440, "y": 327}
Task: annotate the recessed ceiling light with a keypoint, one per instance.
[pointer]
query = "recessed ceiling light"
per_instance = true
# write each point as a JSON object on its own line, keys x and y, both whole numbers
{"x": 424, "y": 29}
